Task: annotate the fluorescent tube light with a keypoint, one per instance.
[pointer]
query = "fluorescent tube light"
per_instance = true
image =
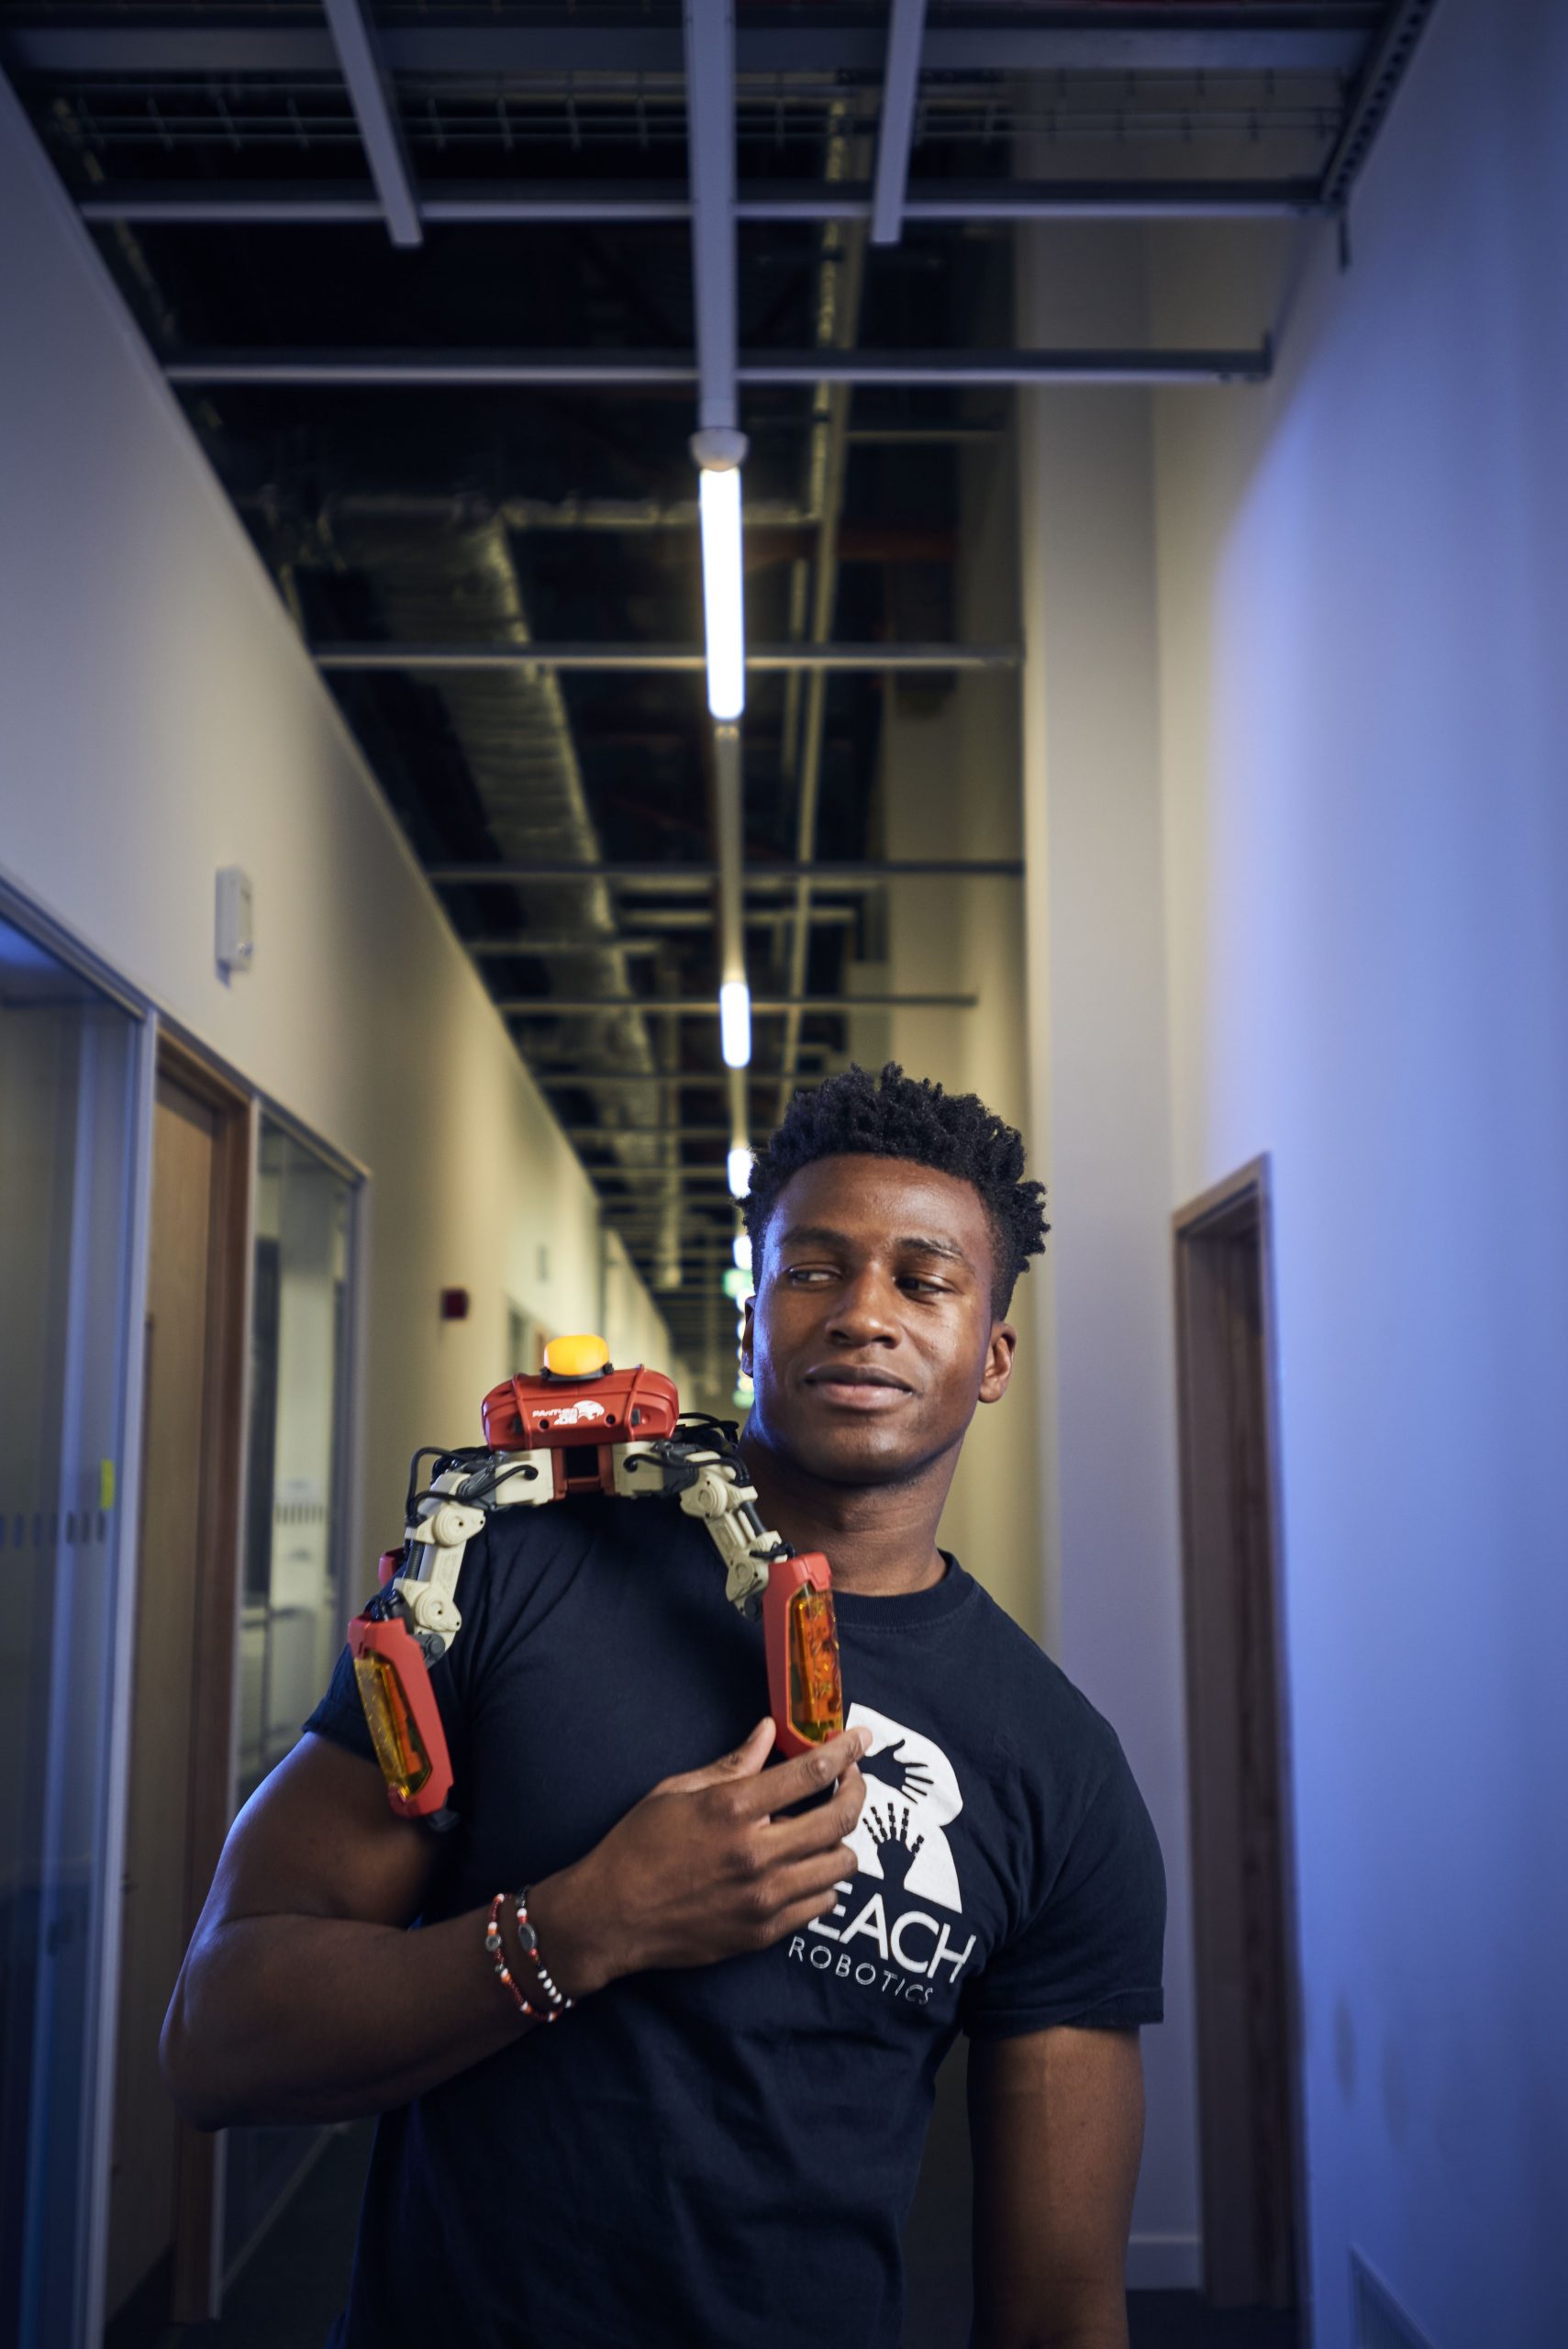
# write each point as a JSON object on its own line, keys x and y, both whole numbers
{"x": 740, "y": 1170}
{"x": 722, "y": 616}
{"x": 735, "y": 1024}
{"x": 743, "y": 1251}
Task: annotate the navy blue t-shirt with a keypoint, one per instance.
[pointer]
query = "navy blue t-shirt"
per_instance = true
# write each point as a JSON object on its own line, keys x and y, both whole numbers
{"x": 723, "y": 2156}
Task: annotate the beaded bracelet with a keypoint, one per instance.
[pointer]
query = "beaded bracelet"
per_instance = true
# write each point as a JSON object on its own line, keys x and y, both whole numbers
{"x": 559, "y": 2003}
{"x": 497, "y": 1948}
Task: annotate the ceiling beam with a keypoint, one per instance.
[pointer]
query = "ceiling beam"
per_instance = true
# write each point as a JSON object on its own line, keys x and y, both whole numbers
{"x": 1251, "y": 37}
{"x": 244, "y": 204}
{"x": 866, "y": 873}
{"x": 610, "y": 1135}
{"x": 636, "y": 658}
{"x": 613, "y": 1080}
{"x": 1383, "y": 71}
{"x": 896, "y": 127}
{"x": 637, "y": 371}
{"x": 700, "y": 1007}
{"x": 697, "y": 1177}
{"x": 549, "y": 948}
{"x": 356, "y": 41}
{"x": 677, "y": 917}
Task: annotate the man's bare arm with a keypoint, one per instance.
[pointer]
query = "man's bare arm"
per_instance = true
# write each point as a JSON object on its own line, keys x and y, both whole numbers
{"x": 1056, "y": 2125}
{"x": 304, "y": 1996}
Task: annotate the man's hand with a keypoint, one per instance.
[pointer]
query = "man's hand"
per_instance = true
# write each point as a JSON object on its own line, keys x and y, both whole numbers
{"x": 304, "y": 1997}
{"x": 705, "y": 1865}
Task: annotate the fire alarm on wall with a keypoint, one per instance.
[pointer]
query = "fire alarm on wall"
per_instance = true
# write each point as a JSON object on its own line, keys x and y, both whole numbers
{"x": 454, "y": 1304}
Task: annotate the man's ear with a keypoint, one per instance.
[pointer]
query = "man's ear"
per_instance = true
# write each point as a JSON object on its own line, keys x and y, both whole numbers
{"x": 747, "y": 1335}
{"x": 998, "y": 1362}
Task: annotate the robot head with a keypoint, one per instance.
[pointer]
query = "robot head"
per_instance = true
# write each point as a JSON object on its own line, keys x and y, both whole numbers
{"x": 579, "y": 1408}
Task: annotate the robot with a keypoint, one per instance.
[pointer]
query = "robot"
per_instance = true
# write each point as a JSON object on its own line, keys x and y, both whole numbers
{"x": 587, "y": 1427}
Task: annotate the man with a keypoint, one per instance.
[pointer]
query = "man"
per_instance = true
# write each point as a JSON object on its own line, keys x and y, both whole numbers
{"x": 716, "y": 2142}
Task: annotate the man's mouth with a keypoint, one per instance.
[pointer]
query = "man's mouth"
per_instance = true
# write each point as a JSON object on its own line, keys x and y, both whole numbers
{"x": 857, "y": 1386}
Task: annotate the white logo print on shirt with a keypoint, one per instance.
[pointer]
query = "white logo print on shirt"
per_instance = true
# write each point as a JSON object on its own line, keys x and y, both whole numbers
{"x": 911, "y": 1797}
{"x": 886, "y": 1941}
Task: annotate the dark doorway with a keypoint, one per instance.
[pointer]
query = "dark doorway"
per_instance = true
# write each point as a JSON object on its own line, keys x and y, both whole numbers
{"x": 1243, "y": 1902}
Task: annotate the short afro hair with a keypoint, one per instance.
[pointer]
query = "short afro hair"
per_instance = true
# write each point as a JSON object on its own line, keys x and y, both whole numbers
{"x": 894, "y": 1116}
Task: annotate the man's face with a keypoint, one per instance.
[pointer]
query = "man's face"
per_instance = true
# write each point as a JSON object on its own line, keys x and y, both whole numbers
{"x": 871, "y": 1336}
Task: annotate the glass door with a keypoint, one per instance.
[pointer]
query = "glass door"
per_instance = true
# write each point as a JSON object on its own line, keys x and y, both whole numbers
{"x": 294, "y": 1609}
{"x": 68, "y": 1070}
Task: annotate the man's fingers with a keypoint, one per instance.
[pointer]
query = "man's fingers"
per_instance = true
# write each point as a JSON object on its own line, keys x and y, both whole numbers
{"x": 797, "y": 1839}
{"x": 814, "y": 1881}
{"x": 796, "y": 1915}
{"x": 806, "y": 1775}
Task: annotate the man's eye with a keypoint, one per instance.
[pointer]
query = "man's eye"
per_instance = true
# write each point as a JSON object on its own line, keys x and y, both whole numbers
{"x": 925, "y": 1287}
{"x": 800, "y": 1273}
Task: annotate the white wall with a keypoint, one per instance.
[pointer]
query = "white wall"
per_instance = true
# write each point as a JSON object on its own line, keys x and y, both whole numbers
{"x": 949, "y": 786}
{"x": 1102, "y": 1115}
{"x": 1364, "y": 601}
{"x": 161, "y": 720}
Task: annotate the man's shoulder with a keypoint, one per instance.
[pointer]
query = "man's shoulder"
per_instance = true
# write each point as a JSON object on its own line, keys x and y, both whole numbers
{"x": 1036, "y": 1706}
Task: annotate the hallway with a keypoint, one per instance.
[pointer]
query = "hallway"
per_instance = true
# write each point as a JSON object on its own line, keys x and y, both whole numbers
{"x": 579, "y": 578}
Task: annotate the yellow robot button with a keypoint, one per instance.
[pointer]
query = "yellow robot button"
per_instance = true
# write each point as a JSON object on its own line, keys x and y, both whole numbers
{"x": 577, "y": 1357}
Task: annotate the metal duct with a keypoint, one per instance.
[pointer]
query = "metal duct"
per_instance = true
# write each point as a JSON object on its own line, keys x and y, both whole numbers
{"x": 434, "y": 575}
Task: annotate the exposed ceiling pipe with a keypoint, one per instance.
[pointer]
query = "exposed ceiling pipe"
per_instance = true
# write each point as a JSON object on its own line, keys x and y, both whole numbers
{"x": 358, "y": 43}
{"x": 465, "y": 511}
{"x": 895, "y": 131}
{"x": 667, "y": 1261}
{"x": 516, "y": 737}
{"x": 838, "y": 323}
{"x": 636, "y": 659}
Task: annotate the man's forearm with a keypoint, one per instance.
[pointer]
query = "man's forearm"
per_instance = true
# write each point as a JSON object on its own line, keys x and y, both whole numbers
{"x": 290, "y": 2019}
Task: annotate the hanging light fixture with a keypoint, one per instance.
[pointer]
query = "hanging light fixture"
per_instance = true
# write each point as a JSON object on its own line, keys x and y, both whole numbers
{"x": 719, "y": 455}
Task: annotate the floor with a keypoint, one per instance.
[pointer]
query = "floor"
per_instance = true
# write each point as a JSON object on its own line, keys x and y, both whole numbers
{"x": 290, "y": 2302}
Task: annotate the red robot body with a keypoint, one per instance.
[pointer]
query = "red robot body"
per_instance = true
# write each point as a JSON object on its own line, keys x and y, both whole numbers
{"x": 605, "y": 1430}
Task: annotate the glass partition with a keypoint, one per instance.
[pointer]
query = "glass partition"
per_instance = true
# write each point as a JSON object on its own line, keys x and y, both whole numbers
{"x": 68, "y": 1062}
{"x": 294, "y": 1611}
{"x": 294, "y": 1577}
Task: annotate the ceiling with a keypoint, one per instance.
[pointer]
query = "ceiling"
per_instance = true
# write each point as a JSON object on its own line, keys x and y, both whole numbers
{"x": 445, "y": 290}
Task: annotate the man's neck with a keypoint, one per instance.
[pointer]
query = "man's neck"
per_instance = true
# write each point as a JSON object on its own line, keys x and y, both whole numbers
{"x": 878, "y": 1538}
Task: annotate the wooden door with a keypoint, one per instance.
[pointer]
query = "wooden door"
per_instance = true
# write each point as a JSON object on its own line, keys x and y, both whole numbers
{"x": 162, "y": 2252}
{"x": 1248, "y": 1994}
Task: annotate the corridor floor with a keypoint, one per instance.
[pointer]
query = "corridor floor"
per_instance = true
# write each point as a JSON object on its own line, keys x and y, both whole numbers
{"x": 292, "y": 2286}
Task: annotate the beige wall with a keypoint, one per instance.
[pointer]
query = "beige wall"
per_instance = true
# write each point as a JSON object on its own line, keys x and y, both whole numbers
{"x": 1100, "y": 1100}
{"x": 949, "y": 786}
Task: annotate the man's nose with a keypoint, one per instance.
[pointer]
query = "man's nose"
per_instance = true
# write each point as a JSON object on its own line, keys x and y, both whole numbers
{"x": 864, "y": 1311}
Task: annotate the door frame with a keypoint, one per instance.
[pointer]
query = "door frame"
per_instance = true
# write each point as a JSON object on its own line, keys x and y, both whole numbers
{"x": 198, "y": 2176}
{"x": 1241, "y": 1204}
{"x": 198, "y": 2191}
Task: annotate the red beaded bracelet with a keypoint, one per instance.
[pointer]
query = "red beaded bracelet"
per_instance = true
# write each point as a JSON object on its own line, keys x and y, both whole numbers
{"x": 559, "y": 2002}
{"x": 497, "y": 1948}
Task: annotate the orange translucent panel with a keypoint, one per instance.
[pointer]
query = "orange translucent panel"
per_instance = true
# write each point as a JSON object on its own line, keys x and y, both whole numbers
{"x": 404, "y": 1765}
{"x": 816, "y": 1686}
